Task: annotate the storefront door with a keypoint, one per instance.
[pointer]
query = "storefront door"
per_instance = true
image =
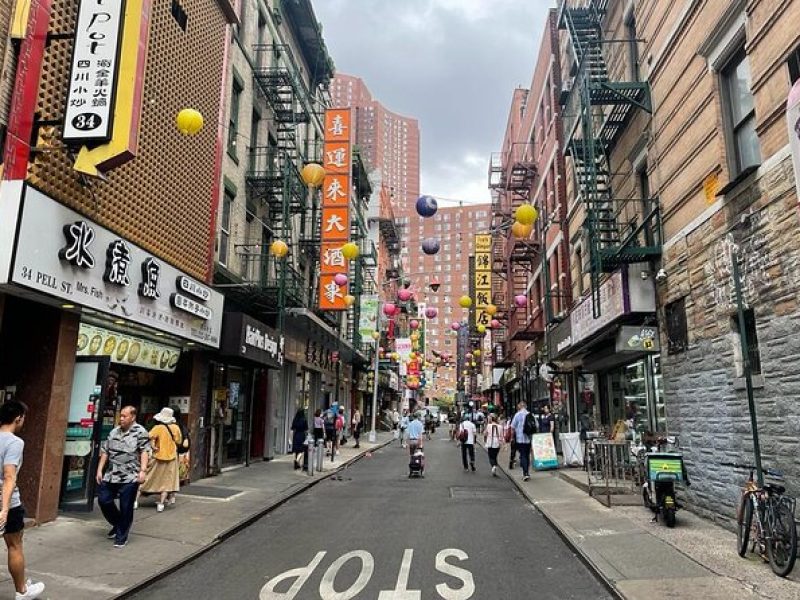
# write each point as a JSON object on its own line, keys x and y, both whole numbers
{"x": 235, "y": 423}
{"x": 90, "y": 417}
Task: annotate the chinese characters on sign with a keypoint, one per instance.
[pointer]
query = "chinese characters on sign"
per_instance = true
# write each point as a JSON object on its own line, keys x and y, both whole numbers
{"x": 483, "y": 278}
{"x": 90, "y": 94}
{"x": 335, "y": 208}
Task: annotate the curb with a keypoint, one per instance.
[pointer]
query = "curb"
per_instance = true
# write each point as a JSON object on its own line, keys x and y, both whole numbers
{"x": 243, "y": 524}
{"x": 582, "y": 556}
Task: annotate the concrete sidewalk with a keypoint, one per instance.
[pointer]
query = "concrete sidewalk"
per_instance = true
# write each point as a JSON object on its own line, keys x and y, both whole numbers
{"x": 76, "y": 561}
{"x": 642, "y": 560}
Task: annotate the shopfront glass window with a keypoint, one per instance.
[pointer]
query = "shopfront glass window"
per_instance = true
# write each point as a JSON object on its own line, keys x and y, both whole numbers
{"x": 658, "y": 395}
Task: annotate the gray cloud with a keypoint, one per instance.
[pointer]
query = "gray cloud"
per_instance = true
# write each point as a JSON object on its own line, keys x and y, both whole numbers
{"x": 452, "y": 64}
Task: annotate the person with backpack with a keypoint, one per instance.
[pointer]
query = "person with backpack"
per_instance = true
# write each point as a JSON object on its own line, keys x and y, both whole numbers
{"x": 163, "y": 476}
{"x": 524, "y": 425}
{"x": 493, "y": 440}
{"x": 330, "y": 430}
{"x": 466, "y": 435}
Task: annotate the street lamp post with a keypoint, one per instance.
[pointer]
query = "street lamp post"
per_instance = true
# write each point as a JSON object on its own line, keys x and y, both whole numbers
{"x": 746, "y": 366}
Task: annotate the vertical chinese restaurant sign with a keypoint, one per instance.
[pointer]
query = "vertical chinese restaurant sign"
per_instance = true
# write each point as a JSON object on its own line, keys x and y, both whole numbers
{"x": 483, "y": 278}
{"x": 335, "y": 228}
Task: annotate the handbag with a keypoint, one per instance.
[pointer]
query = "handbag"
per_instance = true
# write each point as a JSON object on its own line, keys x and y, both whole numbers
{"x": 509, "y": 435}
{"x": 463, "y": 436}
{"x": 183, "y": 447}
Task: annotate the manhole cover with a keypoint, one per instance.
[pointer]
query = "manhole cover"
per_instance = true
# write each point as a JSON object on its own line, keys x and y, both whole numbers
{"x": 477, "y": 493}
{"x": 209, "y": 491}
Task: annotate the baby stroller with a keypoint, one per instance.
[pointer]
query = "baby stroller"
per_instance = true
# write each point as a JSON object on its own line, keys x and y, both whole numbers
{"x": 416, "y": 467}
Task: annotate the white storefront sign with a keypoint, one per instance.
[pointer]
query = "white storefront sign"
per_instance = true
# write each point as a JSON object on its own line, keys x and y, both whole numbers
{"x": 126, "y": 349}
{"x": 612, "y": 306}
{"x": 61, "y": 253}
{"x": 93, "y": 76}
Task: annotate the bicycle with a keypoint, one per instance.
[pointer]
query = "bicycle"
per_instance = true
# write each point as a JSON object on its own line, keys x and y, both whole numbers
{"x": 774, "y": 531}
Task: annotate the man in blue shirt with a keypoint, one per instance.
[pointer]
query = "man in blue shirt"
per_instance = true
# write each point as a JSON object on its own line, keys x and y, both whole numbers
{"x": 523, "y": 440}
{"x": 415, "y": 430}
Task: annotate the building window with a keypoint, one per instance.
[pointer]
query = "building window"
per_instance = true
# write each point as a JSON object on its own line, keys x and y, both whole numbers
{"x": 738, "y": 100}
{"x": 794, "y": 65}
{"x": 753, "y": 352}
{"x": 633, "y": 48}
{"x": 225, "y": 226}
{"x": 677, "y": 331}
{"x": 233, "y": 124}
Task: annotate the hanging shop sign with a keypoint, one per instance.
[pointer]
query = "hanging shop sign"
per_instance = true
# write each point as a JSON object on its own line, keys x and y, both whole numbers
{"x": 368, "y": 319}
{"x": 793, "y": 122}
{"x": 560, "y": 338}
{"x": 612, "y": 306}
{"x": 126, "y": 349}
{"x": 61, "y": 253}
{"x": 245, "y": 337}
{"x": 89, "y": 108}
{"x": 335, "y": 224}
{"x": 483, "y": 278}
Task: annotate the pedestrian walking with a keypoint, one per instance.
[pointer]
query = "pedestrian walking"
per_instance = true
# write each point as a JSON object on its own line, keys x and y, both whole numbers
{"x": 319, "y": 426}
{"x": 404, "y": 421}
{"x": 466, "y": 435}
{"x": 355, "y": 426}
{"x": 511, "y": 439}
{"x": 341, "y": 423}
{"x": 126, "y": 452}
{"x": 330, "y": 430}
{"x": 524, "y": 424}
{"x": 299, "y": 431}
{"x": 12, "y": 513}
{"x": 415, "y": 432}
{"x": 547, "y": 424}
{"x": 493, "y": 439}
{"x": 163, "y": 476}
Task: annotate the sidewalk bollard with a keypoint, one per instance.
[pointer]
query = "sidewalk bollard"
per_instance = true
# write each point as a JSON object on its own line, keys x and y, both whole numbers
{"x": 320, "y": 454}
{"x": 308, "y": 457}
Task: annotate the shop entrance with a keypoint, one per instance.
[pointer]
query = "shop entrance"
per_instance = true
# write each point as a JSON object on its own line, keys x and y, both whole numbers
{"x": 92, "y": 414}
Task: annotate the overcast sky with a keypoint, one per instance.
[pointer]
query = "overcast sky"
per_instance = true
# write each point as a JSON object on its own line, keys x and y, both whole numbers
{"x": 451, "y": 64}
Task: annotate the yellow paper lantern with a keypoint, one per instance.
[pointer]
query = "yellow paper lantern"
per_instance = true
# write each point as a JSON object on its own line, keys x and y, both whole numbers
{"x": 189, "y": 121}
{"x": 477, "y": 352}
{"x": 490, "y": 309}
{"x": 414, "y": 336}
{"x": 350, "y": 250}
{"x": 526, "y": 214}
{"x": 313, "y": 175}
{"x": 349, "y": 300}
{"x": 481, "y": 329}
{"x": 519, "y": 230}
{"x": 395, "y": 356}
{"x": 279, "y": 249}
{"x": 376, "y": 335}
{"x": 465, "y": 301}
{"x": 412, "y": 356}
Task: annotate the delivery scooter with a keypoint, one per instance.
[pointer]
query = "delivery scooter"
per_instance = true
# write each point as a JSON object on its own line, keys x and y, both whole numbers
{"x": 662, "y": 471}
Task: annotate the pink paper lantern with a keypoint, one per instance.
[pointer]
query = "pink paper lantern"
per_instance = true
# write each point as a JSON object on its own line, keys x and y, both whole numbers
{"x": 431, "y": 312}
{"x": 389, "y": 309}
{"x": 414, "y": 324}
{"x": 404, "y": 294}
{"x": 520, "y": 300}
{"x": 340, "y": 279}
{"x": 495, "y": 323}
{"x": 455, "y": 326}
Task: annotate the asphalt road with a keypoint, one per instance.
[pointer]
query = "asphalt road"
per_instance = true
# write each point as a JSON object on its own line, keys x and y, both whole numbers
{"x": 375, "y": 534}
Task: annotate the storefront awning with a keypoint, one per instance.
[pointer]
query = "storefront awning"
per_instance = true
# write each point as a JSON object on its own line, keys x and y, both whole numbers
{"x": 306, "y": 322}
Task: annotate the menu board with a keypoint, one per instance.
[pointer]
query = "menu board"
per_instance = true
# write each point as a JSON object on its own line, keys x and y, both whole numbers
{"x": 126, "y": 349}
{"x": 544, "y": 451}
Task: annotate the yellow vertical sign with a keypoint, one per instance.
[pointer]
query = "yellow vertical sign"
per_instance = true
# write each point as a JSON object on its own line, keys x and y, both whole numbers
{"x": 483, "y": 278}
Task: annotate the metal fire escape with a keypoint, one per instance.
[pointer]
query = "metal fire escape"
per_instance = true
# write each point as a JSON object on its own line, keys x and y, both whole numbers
{"x": 595, "y": 114}
{"x": 274, "y": 181}
{"x": 512, "y": 175}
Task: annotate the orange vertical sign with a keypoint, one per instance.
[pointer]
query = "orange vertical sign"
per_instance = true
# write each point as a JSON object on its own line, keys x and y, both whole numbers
{"x": 335, "y": 226}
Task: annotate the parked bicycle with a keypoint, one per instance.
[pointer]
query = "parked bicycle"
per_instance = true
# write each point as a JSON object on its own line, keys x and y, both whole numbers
{"x": 773, "y": 531}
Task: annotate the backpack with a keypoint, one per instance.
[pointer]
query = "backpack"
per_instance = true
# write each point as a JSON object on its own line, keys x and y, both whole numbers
{"x": 330, "y": 420}
{"x": 530, "y": 426}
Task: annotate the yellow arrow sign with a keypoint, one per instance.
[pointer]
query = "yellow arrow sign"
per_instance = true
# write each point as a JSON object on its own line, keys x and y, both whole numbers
{"x": 128, "y": 104}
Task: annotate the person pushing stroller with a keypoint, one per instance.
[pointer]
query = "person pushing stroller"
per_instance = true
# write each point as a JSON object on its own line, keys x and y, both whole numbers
{"x": 416, "y": 456}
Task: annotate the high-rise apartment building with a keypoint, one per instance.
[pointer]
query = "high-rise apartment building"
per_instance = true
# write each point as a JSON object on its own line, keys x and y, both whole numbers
{"x": 389, "y": 142}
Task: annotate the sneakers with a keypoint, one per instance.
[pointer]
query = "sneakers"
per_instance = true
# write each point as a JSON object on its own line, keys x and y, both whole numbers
{"x": 525, "y": 477}
{"x": 494, "y": 471}
{"x": 472, "y": 467}
{"x": 120, "y": 544}
{"x": 159, "y": 507}
{"x": 32, "y": 590}
{"x": 173, "y": 499}
{"x": 135, "y": 504}
{"x": 466, "y": 470}
{"x": 112, "y": 533}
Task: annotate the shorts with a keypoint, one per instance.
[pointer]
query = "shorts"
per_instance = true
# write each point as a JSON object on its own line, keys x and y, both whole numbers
{"x": 330, "y": 435}
{"x": 16, "y": 520}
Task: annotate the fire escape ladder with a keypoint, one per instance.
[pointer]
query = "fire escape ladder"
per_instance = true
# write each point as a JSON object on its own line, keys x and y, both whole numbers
{"x": 596, "y": 112}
